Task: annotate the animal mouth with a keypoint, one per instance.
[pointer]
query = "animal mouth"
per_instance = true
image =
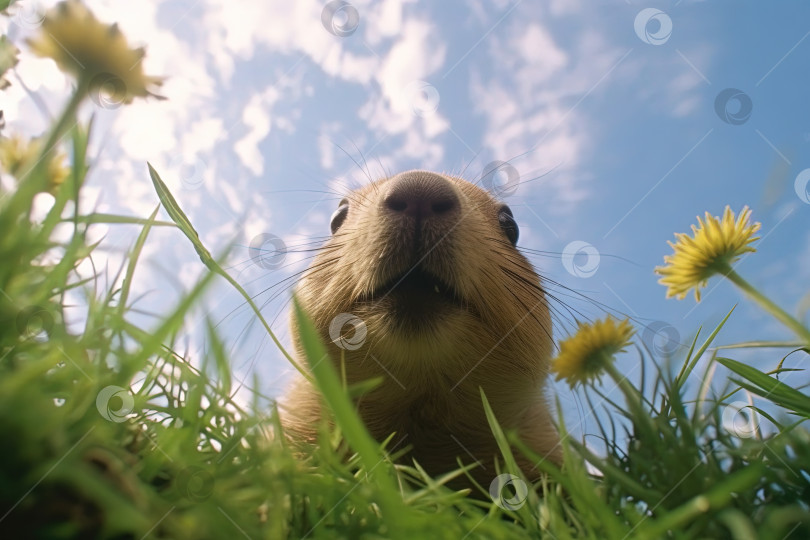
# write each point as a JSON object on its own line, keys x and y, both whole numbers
{"x": 416, "y": 290}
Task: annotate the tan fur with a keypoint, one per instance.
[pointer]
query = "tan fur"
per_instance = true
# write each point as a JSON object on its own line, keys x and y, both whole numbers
{"x": 499, "y": 340}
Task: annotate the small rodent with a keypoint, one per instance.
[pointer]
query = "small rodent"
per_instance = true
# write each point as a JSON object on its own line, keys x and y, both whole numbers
{"x": 428, "y": 262}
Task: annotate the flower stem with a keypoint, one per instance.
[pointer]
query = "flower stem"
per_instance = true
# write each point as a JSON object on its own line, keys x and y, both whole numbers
{"x": 769, "y": 306}
{"x": 63, "y": 123}
{"x": 640, "y": 417}
{"x": 35, "y": 179}
{"x": 631, "y": 393}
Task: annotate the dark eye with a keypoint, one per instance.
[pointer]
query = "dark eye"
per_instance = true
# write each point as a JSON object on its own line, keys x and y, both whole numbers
{"x": 339, "y": 216}
{"x": 507, "y": 222}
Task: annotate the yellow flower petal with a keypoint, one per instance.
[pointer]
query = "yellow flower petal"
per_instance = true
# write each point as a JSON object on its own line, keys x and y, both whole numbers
{"x": 95, "y": 53}
{"x": 18, "y": 157}
{"x": 716, "y": 243}
{"x": 585, "y": 355}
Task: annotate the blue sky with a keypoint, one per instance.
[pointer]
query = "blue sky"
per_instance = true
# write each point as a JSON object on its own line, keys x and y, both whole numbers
{"x": 607, "y": 112}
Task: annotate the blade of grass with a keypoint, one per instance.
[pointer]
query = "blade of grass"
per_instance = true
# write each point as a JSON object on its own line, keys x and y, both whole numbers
{"x": 688, "y": 355}
{"x": 768, "y": 387}
{"x": 35, "y": 179}
{"x": 183, "y": 223}
{"x": 220, "y": 359}
{"x": 717, "y": 497}
{"x": 71, "y": 187}
{"x": 134, "y": 255}
{"x": 328, "y": 382}
{"x": 152, "y": 342}
{"x": 524, "y": 511}
{"x": 100, "y": 217}
{"x": 763, "y": 344}
{"x": 684, "y": 374}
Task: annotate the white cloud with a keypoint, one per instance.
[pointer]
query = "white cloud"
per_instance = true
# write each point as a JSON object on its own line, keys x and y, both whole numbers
{"x": 415, "y": 56}
{"x": 146, "y": 129}
{"x": 684, "y": 92}
{"x": 206, "y": 132}
{"x": 234, "y": 195}
{"x": 382, "y": 20}
{"x": 237, "y": 27}
{"x": 528, "y": 95}
{"x": 326, "y": 145}
{"x": 256, "y": 117}
{"x": 536, "y": 48}
{"x": 409, "y": 103}
{"x": 41, "y": 77}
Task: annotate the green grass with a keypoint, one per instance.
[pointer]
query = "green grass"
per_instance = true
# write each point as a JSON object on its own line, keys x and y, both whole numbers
{"x": 109, "y": 432}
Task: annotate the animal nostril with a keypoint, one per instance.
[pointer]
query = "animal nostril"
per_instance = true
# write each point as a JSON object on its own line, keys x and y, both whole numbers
{"x": 397, "y": 204}
{"x": 442, "y": 206}
{"x": 421, "y": 194}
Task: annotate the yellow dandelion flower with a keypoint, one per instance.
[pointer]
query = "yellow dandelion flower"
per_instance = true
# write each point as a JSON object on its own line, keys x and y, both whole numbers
{"x": 18, "y": 157}
{"x": 715, "y": 245}
{"x": 95, "y": 53}
{"x": 590, "y": 351}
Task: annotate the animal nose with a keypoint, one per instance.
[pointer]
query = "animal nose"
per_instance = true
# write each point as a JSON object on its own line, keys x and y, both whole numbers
{"x": 421, "y": 195}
